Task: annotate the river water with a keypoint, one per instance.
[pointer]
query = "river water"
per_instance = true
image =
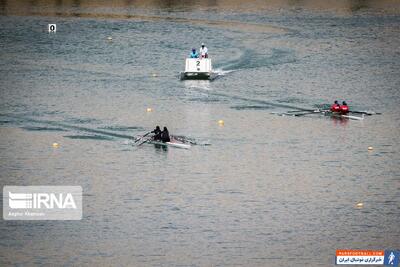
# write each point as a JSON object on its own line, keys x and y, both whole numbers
{"x": 260, "y": 190}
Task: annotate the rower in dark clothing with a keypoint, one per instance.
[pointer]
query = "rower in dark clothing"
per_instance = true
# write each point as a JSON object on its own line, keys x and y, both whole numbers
{"x": 165, "y": 135}
{"x": 157, "y": 134}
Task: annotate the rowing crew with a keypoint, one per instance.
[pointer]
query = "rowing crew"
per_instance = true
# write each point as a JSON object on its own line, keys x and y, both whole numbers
{"x": 159, "y": 135}
{"x": 342, "y": 109}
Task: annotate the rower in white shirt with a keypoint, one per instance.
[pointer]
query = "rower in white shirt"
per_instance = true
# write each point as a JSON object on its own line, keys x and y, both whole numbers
{"x": 203, "y": 51}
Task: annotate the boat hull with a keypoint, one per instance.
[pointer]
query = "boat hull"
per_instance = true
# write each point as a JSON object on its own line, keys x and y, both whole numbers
{"x": 198, "y": 69}
{"x": 198, "y": 75}
{"x": 173, "y": 144}
{"x": 343, "y": 116}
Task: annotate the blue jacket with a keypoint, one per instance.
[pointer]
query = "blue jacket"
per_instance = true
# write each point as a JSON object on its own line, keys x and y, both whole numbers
{"x": 194, "y": 55}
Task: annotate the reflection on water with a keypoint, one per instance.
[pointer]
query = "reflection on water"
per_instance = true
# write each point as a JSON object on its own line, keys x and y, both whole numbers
{"x": 204, "y": 85}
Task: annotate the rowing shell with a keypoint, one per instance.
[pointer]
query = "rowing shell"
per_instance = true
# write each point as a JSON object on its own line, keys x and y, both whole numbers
{"x": 297, "y": 113}
{"x": 338, "y": 115}
{"x": 173, "y": 144}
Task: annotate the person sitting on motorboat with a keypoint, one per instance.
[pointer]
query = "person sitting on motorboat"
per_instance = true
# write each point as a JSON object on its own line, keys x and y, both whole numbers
{"x": 335, "y": 107}
{"x": 157, "y": 133}
{"x": 344, "y": 108}
{"x": 165, "y": 135}
{"x": 203, "y": 51}
{"x": 194, "y": 54}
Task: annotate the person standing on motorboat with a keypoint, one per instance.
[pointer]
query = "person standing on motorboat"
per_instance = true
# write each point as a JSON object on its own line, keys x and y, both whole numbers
{"x": 203, "y": 51}
{"x": 194, "y": 54}
{"x": 157, "y": 133}
{"x": 165, "y": 135}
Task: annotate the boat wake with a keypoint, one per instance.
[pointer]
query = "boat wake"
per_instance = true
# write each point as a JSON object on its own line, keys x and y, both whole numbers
{"x": 104, "y": 133}
{"x": 198, "y": 84}
{"x": 222, "y": 72}
{"x": 73, "y": 131}
{"x": 250, "y": 59}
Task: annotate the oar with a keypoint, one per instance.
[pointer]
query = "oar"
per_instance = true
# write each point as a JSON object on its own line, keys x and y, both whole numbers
{"x": 137, "y": 140}
{"x": 307, "y": 113}
{"x": 143, "y": 142}
{"x": 298, "y": 111}
{"x": 366, "y": 112}
{"x": 301, "y": 113}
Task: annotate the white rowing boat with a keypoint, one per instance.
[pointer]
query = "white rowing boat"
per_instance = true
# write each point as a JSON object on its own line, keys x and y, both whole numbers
{"x": 297, "y": 113}
{"x": 173, "y": 143}
{"x": 343, "y": 116}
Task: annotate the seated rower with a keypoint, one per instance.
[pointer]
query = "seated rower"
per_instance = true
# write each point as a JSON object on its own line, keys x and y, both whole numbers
{"x": 157, "y": 134}
{"x": 203, "y": 51}
{"x": 335, "y": 107}
{"x": 165, "y": 135}
{"x": 344, "y": 108}
{"x": 194, "y": 54}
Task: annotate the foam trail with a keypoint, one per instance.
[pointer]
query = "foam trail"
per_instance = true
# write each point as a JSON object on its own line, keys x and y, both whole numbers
{"x": 260, "y": 101}
{"x": 222, "y": 72}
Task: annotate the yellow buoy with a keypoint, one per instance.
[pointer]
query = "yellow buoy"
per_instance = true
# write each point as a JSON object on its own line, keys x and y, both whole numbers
{"x": 360, "y": 205}
{"x": 221, "y": 122}
{"x": 149, "y": 109}
{"x": 370, "y": 148}
{"x": 56, "y": 145}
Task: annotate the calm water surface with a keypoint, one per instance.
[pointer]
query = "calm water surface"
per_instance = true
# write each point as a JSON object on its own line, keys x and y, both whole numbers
{"x": 267, "y": 191}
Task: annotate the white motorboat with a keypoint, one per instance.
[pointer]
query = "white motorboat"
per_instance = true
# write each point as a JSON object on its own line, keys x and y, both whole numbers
{"x": 198, "y": 69}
